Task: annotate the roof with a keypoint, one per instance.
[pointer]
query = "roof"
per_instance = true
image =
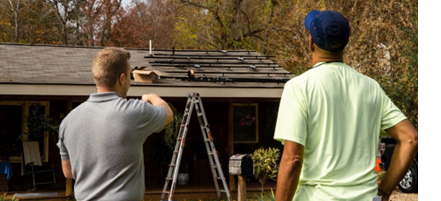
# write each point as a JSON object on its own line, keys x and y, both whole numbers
{"x": 64, "y": 70}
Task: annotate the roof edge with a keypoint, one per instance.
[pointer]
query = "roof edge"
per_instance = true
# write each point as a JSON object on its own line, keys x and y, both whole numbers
{"x": 86, "y": 90}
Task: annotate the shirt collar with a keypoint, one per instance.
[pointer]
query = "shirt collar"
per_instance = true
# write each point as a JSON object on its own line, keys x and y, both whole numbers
{"x": 103, "y": 97}
{"x": 325, "y": 62}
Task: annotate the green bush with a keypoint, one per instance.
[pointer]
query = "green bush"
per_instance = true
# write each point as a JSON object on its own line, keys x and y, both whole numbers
{"x": 265, "y": 164}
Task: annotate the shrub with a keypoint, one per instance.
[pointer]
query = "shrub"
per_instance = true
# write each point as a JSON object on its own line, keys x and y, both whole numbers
{"x": 265, "y": 164}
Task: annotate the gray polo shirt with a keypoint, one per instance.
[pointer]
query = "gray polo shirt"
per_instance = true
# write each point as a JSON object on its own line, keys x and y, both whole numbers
{"x": 103, "y": 138}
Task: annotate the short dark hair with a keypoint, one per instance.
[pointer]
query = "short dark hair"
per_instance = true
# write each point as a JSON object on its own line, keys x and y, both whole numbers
{"x": 108, "y": 64}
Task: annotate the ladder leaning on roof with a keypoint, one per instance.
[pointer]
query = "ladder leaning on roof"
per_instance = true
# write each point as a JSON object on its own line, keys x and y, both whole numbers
{"x": 194, "y": 100}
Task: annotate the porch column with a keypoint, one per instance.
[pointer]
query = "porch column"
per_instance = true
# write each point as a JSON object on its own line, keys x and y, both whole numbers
{"x": 231, "y": 142}
{"x": 69, "y": 191}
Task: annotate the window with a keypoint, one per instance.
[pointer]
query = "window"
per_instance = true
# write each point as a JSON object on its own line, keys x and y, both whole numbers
{"x": 245, "y": 123}
{"x": 13, "y": 116}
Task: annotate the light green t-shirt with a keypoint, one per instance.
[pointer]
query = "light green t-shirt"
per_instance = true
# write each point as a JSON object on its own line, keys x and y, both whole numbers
{"x": 336, "y": 113}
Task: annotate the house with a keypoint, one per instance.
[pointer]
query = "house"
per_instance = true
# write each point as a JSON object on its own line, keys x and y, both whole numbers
{"x": 240, "y": 92}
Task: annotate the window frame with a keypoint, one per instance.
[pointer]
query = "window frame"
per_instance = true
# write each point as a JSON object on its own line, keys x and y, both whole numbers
{"x": 256, "y": 106}
{"x": 25, "y": 113}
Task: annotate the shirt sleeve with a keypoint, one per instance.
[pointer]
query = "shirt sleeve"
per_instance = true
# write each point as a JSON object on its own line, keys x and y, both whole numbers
{"x": 63, "y": 151}
{"x": 292, "y": 118}
{"x": 390, "y": 114}
{"x": 154, "y": 118}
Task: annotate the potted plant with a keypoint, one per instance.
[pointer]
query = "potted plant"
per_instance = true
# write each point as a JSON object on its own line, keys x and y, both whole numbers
{"x": 172, "y": 130}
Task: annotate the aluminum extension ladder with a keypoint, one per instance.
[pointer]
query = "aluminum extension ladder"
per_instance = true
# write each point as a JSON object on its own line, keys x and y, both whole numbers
{"x": 194, "y": 100}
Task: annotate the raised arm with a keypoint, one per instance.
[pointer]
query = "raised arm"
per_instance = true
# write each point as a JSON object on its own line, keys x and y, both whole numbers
{"x": 155, "y": 100}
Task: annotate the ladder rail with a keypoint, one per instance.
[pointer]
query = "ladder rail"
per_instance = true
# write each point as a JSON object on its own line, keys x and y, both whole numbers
{"x": 210, "y": 151}
{"x": 212, "y": 148}
{"x": 177, "y": 153}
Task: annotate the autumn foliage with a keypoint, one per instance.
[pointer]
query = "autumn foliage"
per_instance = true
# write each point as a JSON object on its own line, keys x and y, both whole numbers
{"x": 383, "y": 43}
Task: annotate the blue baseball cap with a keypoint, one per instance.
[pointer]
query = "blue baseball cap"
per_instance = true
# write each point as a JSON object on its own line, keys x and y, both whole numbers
{"x": 329, "y": 29}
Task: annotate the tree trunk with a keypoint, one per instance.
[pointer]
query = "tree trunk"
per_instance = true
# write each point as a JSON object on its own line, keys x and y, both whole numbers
{"x": 16, "y": 25}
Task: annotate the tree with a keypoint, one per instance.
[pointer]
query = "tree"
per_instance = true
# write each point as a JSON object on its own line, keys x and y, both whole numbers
{"x": 109, "y": 8}
{"x": 27, "y": 21}
{"x": 144, "y": 22}
{"x": 15, "y": 7}
{"x": 63, "y": 8}
{"x": 219, "y": 24}
{"x": 40, "y": 20}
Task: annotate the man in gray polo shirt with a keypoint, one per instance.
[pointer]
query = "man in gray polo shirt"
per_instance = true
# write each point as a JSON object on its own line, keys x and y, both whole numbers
{"x": 101, "y": 140}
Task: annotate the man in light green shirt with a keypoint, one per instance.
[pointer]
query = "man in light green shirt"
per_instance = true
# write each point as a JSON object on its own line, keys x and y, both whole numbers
{"x": 329, "y": 121}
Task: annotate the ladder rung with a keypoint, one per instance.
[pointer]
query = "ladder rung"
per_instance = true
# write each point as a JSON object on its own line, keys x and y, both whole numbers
{"x": 168, "y": 178}
{"x": 165, "y": 192}
{"x": 210, "y": 153}
{"x": 176, "y": 152}
{"x": 214, "y": 166}
{"x": 223, "y": 191}
{"x": 172, "y": 165}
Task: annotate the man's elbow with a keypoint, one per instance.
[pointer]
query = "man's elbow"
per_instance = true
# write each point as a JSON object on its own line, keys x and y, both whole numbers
{"x": 294, "y": 162}
{"x": 67, "y": 174}
{"x": 169, "y": 117}
{"x": 410, "y": 141}
{"x": 411, "y": 137}
{"x": 67, "y": 169}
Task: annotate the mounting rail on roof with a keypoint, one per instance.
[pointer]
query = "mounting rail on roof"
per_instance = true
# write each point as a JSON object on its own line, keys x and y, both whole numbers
{"x": 220, "y": 51}
{"x": 206, "y": 62}
{"x": 205, "y": 55}
{"x": 224, "y": 79}
{"x": 212, "y": 57}
{"x": 228, "y": 72}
